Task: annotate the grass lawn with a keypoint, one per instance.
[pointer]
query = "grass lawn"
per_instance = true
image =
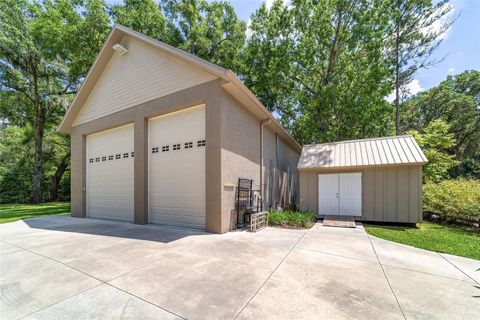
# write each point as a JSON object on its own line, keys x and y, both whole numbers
{"x": 14, "y": 212}
{"x": 291, "y": 219}
{"x": 460, "y": 241}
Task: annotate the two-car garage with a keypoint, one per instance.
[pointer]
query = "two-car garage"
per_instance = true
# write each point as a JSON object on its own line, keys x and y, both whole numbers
{"x": 176, "y": 171}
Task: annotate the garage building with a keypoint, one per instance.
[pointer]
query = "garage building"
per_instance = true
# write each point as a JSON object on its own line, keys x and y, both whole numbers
{"x": 371, "y": 179}
{"x": 160, "y": 136}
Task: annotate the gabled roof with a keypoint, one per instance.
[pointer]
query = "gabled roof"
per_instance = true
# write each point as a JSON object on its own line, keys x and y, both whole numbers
{"x": 386, "y": 151}
{"x": 230, "y": 82}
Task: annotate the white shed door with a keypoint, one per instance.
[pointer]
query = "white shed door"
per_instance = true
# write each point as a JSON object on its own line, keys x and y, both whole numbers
{"x": 340, "y": 194}
{"x": 109, "y": 186}
{"x": 350, "y": 190}
{"x": 328, "y": 194}
{"x": 177, "y": 169}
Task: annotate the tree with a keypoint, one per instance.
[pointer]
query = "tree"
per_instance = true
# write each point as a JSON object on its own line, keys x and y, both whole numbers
{"x": 46, "y": 49}
{"x": 209, "y": 30}
{"x": 416, "y": 27}
{"x": 319, "y": 65}
{"x": 144, "y": 16}
{"x": 457, "y": 102}
{"x": 436, "y": 142}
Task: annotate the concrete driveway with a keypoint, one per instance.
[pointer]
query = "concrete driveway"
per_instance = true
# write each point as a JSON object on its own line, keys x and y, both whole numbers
{"x": 65, "y": 268}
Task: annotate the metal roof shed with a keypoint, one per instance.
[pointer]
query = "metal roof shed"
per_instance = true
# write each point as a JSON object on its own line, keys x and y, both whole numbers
{"x": 372, "y": 179}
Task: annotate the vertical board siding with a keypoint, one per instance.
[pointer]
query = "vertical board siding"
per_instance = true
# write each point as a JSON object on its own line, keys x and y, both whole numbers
{"x": 141, "y": 75}
{"x": 389, "y": 194}
{"x": 414, "y": 190}
{"x": 403, "y": 194}
{"x": 379, "y": 192}
{"x": 368, "y": 196}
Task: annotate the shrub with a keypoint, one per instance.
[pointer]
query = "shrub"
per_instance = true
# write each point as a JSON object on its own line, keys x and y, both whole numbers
{"x": 453, "y": 201}
{"x": 291, "y": 219}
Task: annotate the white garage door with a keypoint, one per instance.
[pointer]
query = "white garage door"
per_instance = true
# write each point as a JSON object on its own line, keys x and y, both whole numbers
{"x": 110, "y": 174}
{"x": 177, "y": 169}
{"x": 340, "y": 194}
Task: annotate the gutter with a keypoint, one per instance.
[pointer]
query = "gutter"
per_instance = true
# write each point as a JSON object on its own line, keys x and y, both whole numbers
{"x": 262, "y": 123}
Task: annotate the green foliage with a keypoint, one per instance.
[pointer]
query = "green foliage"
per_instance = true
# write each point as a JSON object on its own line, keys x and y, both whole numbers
{"x": 291, "y": 219}
{"x": 460, "y": 241}
{"x": 144, "y": 16}
{"x": 319, "y": 66}
{"x": 457, "y": 102}
{"x": 454, "y": 201}
{"x": 14, "y": 212}
{"x": 16, "y": 164}
{"x": 45, "y": 52}
{"x": 435, "y": 142}
{"x": 209, "y": 30}
{"x": 414, "y": 31}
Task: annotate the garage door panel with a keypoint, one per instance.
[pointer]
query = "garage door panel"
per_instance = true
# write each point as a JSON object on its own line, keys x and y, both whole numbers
{"x": 110, "y": 181}
{"x": 100, "y": 214}
{"x": 177, "y": 220}
{"x": 177, "y": 177}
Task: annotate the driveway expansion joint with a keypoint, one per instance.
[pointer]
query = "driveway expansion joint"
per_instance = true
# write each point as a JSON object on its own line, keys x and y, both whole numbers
{"x": 441, "y": 255}
{"x": 386, "y": 278}
{"x": 270, "y": 275}
{"x": 88, "y": 275}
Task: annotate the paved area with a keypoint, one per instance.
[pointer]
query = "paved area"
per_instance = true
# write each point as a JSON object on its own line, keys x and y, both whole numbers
{"x": 65, "y": 268}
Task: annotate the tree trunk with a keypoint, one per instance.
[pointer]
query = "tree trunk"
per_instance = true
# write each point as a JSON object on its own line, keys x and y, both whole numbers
{"x": 397, "y": 75}
{"x": 39, "y": 128}
{"x": 36, "y": 195}
{"x": 57, "y": 177}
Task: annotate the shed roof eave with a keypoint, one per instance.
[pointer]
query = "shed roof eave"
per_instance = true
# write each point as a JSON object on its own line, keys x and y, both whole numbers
{"x": 361, "y": 167}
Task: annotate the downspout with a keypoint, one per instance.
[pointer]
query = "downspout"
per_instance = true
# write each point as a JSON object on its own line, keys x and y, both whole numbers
{"x": 262, "y": 192}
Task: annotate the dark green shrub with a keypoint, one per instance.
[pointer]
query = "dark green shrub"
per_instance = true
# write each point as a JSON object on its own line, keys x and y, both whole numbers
{"x": 453, "y": 201}
{"x": 291, "y": 219}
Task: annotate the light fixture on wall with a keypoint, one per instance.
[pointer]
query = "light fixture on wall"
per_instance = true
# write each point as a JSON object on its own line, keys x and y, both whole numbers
{"x": 120, "y": 49}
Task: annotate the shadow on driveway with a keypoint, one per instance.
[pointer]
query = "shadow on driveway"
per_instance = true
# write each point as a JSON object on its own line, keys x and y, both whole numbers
{"x": 107, "y": 228}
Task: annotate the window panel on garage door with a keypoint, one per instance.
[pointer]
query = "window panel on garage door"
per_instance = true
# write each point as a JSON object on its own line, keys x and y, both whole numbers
{"x": 177, "y": 169}
{"x": 110, "y": 174}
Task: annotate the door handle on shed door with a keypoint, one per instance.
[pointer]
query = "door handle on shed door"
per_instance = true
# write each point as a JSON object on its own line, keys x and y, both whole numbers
{"x": 336, "y": 195}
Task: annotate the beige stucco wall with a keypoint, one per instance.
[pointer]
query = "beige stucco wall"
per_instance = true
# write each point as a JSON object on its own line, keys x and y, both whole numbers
{"x": 209, "y": 94}
{"x": 143, "y": 74}
{"x": 389, "y": 194}
{"x": 240, "y": 153}
{"x": 232, "y": 151}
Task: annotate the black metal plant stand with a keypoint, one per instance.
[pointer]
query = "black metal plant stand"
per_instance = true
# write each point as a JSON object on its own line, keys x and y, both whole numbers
{"x": 247, "y": 201}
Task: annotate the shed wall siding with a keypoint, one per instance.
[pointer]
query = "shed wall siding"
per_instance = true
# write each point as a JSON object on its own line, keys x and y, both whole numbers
{"x": 389, "y": 194}
{"x": 141, "y": 75}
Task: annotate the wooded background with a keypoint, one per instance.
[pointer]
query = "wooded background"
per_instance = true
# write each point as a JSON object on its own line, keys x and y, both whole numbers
{"x": 323, "y": 68}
